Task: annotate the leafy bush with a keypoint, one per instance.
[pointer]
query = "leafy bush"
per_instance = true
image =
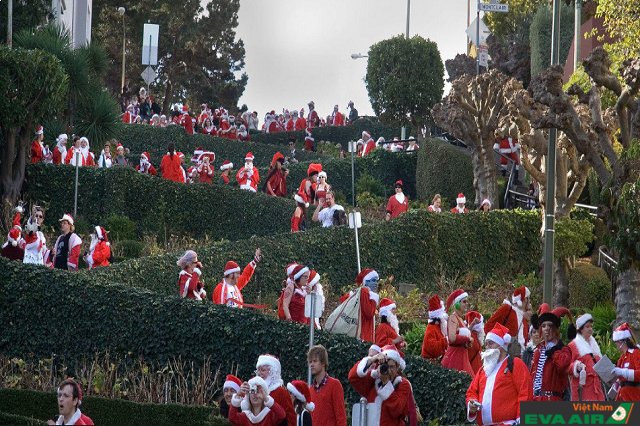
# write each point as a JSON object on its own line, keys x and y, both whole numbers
{"x": 126, "y": 320}
{"x": 414, "y": 338}
{"x": 373, "y": 186}
{"x": 120, "y": 227}
{"x": 572, "y": 237}
{"x": 588, "y": 286}
{"x": 130, "y": 249}
{"x": 540, "y": 36}
{"x": 42, "y": 406}
{"x": 417, "y": 247}
{"x": 97, "y": 118}
{"x": 13, "y": 419}
{"x": 443, "y": 169}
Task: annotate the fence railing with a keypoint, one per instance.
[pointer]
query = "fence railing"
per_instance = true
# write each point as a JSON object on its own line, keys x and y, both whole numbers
{"x": 609, "y": 264}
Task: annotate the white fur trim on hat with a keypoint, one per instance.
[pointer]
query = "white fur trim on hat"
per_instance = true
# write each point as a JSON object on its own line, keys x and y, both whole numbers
{"x": 314, "y": 280}
{"x": 269, "y": 361}
{"x": 438, "y": 313}
{"x": 386, "y": 310}
{"x": 621, "y": 335}
{"x": 300, "y": 200}
{"x": 99, "y": 233}
{"x": 486, "y": 201}
{"x": 67, "y": 217}
{"x": 300, "y": 273}
{"x": 376, "y": 348}
{"x": 226, "y": 166}
{"x": 370, "y": 276}
{"x": 296, "y": 392}
{"x": 322, "y": 174}
{"x": 232, "y": 385}
{"x": 461, "y": 200}
{"x": 231, "y": 271}
{"x": 499, "y": 340}
{"x": 144, "y": 156}
{"x": 395, "y": 355}
{"x": 582, "y": 320}
{"x": 460, "y": 297}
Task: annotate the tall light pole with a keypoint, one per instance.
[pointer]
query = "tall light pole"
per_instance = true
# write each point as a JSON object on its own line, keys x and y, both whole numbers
{"x": 408, "y": 16}
{"x": 121, "y": 11}
{"x": 10, "y": 23}
{"x": 577, "y": 34}
{"x": 550, "y": 207}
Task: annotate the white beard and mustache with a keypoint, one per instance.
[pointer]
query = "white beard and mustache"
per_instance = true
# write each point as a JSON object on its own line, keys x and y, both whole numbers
{"x": 490, "y": 359}
{"x": 94, "y": 242}
{"x": 392, "y": 319}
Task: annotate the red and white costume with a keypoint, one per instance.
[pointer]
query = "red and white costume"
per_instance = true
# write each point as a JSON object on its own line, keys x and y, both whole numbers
{"x": 271, "y": 415}
{"x": 312, "y": 118}
{"x": 386, "y": 332}
{"x": 397, "y": 205}
{"x": 36, "y": 147}
{"x": 186, "y": 120}
{"x": 77, "y": 419}
{"x": 35, "y": 247}
{"x": 370, "y": 144}
{"x": 510, "y": 314}
{"x": 337, "y": 119}
{"x": 60, "y": 150}
{"x": 368, "y": 303}
{"x": 145, "y": 166}
{"x": 13, "y": 248}
{"x": 460, "y": 200}
{"x": 88, "y": 158}
{"x": 628, "y": 369}
{"x": 101, "y": 251}
{"x": 433, "y": 208}
{"x": 228, "y": 294}
{"x": 209, "y": 130}
{"x": 300, "y": 124}
{"x": 172, "y": 168}
{"x": 205, "y": 172}
{"x": 71, "y": 157}
{"x": 434, "y": 344}
{"x": 509, "y": 148}
{"x": 477, "y": 332}
{"x": 129, "y": 116}
{"x": 75, "y": 244}
{"x": 190, "y": 285}
{"x": 243, "y": 134}
{"x": 248, "y": 179}
{"x": 584, "y": 354}
{"x": 457, "y": 356}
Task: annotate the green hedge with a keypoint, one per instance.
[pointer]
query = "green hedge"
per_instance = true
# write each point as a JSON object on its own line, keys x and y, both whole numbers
{"x": 540, "y": 36}
{"x": 418, "y": 247}
{"x": 12, "y": 419}
{"x": 157, "y": 206}
{"x": 154, "y": 140}
{"x": 342, "y": 134}
{"x": 77, "y": 315}
{"x": 104, "y": 411}
{"x": 446, "y": 170}
{"x": 588, "y": 286}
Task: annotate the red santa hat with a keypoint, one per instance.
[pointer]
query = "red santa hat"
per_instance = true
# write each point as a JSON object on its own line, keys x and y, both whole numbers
{"x": 519, "y": 293}
{"x": 396, "y": 139}
{"x": 314, "y": 278}
{"x": 130, "y": 107}
{"x": 14, "y": 233}
{"x": 399, "y": 183}
{"x": 582, "y": 320}
{"x": 277, "y": 156}
{"x": 456, "y": 297}
{"x": 471, "y": 315}
{"x": 146, "y": 156}
{"x": 302, "y": 110}
{"x": 311, "y": 104}
{"x": 366, "y": 275}
{"x": 203, "y": 106}
{"x": 436, "y": 307}
{"x": 67, "y": 217}
{"x": 185, "y": 108}
{"x": 300, "y": 390}
{"x": 226, "y": 165}
{"x": 290, "y": 268}
{"x": 119, "y": 146}
{"x": 232, "y": 382}
{"x": 366, "y": 133}
{"x": 101, "y": 233}
{"x": 392, "y": 353}
{"x": 461, "y": 199}
{"x": 231, "y": 267}
{"x": 299, "y": 271}
{"x": 248, "y": 157}
{"x": 622, "y": 332}
{"x": 500, "y": 335}
{"x": 386, "y": 305}
{"x": 271, "y": 361}
{"x": 376, "y": 348}
{"x": 485, "y": 201}
{"x": 314, "y": 168}
{"x": 210, "y": 155}
{"x": 40, "y": 130}
{"x": 336, "y": 107}
{"x": 301, "y": 197}
{"x": 544, "y": 315}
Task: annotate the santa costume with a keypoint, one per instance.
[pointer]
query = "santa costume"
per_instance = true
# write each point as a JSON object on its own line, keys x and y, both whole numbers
{"x": 71, "y": 157}
{"x": 67, "y": 248}
{"x": 272, "y": 413}
{"x": 298, "y": 221}
{"x": 511, "y": 315}
{"x": 229, "y": 294}
{"x": 276, "y": 182}
{"x": 477, "y": 332}
{"x": 276, "y": 387}
{"x": 500, "y": 385}
{"x": 171, "y": 168}
{"x": 34, "y": 244}
{"x": 248, "y": 176}
{"x": 88, "y": 158}
{"x": 508, "y": 147}
{"x": 314, "y": 284}
{"x": 307, "y": 185}
{"x": 392, "y": 397}
{"x": 243, "y": 134}
{"x": 129, "y": 116}
{"x": 300, "y": 123}
{"x": 60, "y": 150}
{"x": 628, "y": 369}
{"x": 366, "y": 280}
{"x": 205, "y": 172}
{"x": 457, "y": 356}
{"x": 312, "y": 119}
{"x": 12, "y": 248}
{"x": 145, "y": 167}
{"x": 337, "y": 119}
{"x": 308, "y": 140}
{"x": 100, "y": 250}
{"x": 584, "y": 355}
{"x": 434, "y": 344}
{"x": 370, "y": 144}
{"x": 387, "y": 332}
{"x": 299, "y": 293}
{"x": 187, "y": 121}
{"x": 300, "y": 391}
{"x": 78, "y": 418}
{"x": 209, "y": 129}
{"x": 224, "y": 178}
{"x": 397, "y": 203}
{"x": 460, "y": 200}
{"x": 189, "y": 284}
{"x": 36, "y": 147}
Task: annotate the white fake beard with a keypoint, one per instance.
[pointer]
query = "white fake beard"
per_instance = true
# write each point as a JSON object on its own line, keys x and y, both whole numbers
{"x": 94, "y": 242}
{"x": 248, "y": 166}
{"x": 443, "y": 325}
{"x": 393, "y": 321}
{"x": 490, "y": 358}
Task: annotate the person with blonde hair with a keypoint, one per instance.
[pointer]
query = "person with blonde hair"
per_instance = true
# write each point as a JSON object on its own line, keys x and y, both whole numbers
{"x": 189, "y": 280}
{"x": 258, "y": 407}
{"x": 435, "y": 204}
{"x": 66, "y": 251}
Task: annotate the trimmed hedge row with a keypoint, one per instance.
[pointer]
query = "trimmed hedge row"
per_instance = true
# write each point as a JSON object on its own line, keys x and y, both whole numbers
{"x": 104, "y": 411}
{"x": 154, "y": 140}
{"x": 83, "y": 315}
{"x": 418, "y": 247}
{"x": 156, "y": 205}
{"x": 446, "y": 170}
{"x": 12, "y": 419}
{"x": 342, "y": 134}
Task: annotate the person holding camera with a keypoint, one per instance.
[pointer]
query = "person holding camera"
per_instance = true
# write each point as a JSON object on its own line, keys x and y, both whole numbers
{"x": 205, "y": 169}
{"x": 325, "y": 212}
{"x": 269, "y": 369}
{"x": 258, "y": 407}
{"x": 228, "y": 292}
{"x": 378, "y": 378}
{"x": 248, "y": 176}
{"x": 69, "y": 400}
{"x": 276, "y": 183}
{"x": 189, "y": 282}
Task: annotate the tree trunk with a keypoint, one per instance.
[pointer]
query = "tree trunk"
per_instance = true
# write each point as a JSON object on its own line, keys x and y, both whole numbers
{"x": 478, "y": 176}
{"x": 11, "y": 172}
{"x": 489, "y": 173}
{"x": 166, "y": 104}
{"x": 628, "y": 300}
{"x": 561, "y": 284}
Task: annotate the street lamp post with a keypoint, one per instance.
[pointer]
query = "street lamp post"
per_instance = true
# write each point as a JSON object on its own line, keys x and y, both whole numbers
{"x": 121, "y": 11}
{"x": 10, "y": 23}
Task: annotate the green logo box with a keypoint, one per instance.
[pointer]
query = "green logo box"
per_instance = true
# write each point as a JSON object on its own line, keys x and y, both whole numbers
{"x": 579, "y": 413}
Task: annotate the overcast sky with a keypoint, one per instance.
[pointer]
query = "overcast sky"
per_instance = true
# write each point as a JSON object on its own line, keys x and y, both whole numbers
{"x": 298, "y": 51}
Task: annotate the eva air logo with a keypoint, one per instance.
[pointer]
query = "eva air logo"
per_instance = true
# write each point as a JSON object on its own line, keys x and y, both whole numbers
{"x": 621, "y": 415}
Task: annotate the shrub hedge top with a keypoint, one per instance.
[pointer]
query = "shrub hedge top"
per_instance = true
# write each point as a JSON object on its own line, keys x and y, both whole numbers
{"x": 81, "y": 315}
{"x": 417, "y": 247}
{"x": 104, "y": 411}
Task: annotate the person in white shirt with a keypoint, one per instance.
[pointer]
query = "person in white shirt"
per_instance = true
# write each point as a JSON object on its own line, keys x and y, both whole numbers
{"x": 325, "y": 212}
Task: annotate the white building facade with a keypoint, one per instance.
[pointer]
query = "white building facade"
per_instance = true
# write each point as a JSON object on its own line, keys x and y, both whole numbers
{"x": 75, "y": 17}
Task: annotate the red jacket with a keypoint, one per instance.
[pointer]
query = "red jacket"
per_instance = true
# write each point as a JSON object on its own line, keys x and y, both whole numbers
{"x": 187, "y": 122}
{"x": 301, "y": 124}
{"x": 248, "y": 182}
{"x": 507, "y": 316}
{"x": 368, "y": 305}
{"x": 395, "y": 207}
{"x": 172, "y": 168}
{"x": 271, "y": 415}
{"x": 555, "y": 375}
{"x": 150, "y": 170}
{"x": 100, "y": 255}
{"x": 385, "y": 335}
{"x": 282, "y": 398}
{"x": 587, "y": 353}
{"x": 474, "y": 353}
{"x": 190, "y": 285}
{"x": 220, "y": 296}
{"x": 370, "y": 146}
{"x": 434, "y": 344}
{"x": 206, "y": 173}
{"x": 631, "y": 360}
{"x": 57, "y": 156}
{"x": 36, "y": 151}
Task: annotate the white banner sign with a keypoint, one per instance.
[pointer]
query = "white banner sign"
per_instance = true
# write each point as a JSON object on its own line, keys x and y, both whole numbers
{"x": 150, "y": 44}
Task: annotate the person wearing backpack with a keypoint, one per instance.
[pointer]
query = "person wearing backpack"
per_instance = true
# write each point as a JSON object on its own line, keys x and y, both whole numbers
{"x": 367, "y": 282}
{"x": 502, "y": 379}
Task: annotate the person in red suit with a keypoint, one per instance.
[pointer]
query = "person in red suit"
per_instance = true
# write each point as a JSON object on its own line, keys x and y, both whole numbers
{"x": 299, "y": 220}
{"x": 628, "y": 368}
{"x": 100, "y": 249}
{"x": 308, "y": 140}
{"x": 87, "y": 156}
{"x": 205, "y": 113}
{"x": 248, "y": 176}
{"x": 515, "y": 315}
{"x": 231, "y": 130}
{"x": 228, "y": 292}
{"x": 269, "y": 369}
{"x": 66, "y": 251}
{"x": 337, "y": 119}
{"x": 276, "y": 183}
{"x": 475, "y": 322}
{"x": 508, "y": 147}
{"x": 367, "y": 281}
{"x": 69, "y": 400}
{"x": 208, "y": 128}
{"x": 189, "y": 282}
{"x": 271, "y": 123}
{"x": 171, "y": 166}
{"x": 457, "y": 355}
{"x": 71, "y": 153}
{"x": 309, "y": 185}
{"x": 369, "y": 143}
{"x": 243, "y": 134}
{"x": 60, "y": 150}
{"x": 145, "y": 166}
{"x": 460, "y": 202}
{"x": 186, "y": 120}
{"x": 551, "y": 359}
{"x": 294, "y": 295}
{"x": 205, "y": 169}
{"x": 585, "y": 352}
{"x": 226, "y": 168}
{"x": 258, "y": 408}
{"x": 397, "y": 203}
{"x": 300, "y": 122}
{"x": 129, "y": 116}
{"x": 36, "y": 146}
{"x": 290, "y": 125}
{"x": 503, "y": 382}
{"x": 13, "y": 248}
{"x": 387, "y": 332}
{"x": 312, "y": 119}
{"x": 327, "y": 393}
{"x": 434, "y": 344}
{"x": 387, "y": 388}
